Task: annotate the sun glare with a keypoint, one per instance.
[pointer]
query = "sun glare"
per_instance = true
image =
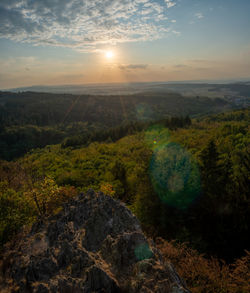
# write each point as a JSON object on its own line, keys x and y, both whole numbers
{"x": 109, "y": 54}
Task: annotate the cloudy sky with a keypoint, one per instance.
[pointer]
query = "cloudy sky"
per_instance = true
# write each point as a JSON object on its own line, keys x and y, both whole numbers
{"x": 96, "y": 41}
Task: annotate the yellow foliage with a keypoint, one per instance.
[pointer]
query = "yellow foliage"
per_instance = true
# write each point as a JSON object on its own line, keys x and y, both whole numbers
{"x": 47, "y": 196}
{"x": 107, "y": 188}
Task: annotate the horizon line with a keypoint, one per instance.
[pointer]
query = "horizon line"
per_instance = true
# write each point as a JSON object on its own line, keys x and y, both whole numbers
{"x": 206, "y": 81}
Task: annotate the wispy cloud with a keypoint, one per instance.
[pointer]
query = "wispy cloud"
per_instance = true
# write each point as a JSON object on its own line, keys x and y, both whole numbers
{"x": 181, "y": 66}
{"x": 83, "y": 24}
{"x": 199, "y": 15}
{"x": 176, "y": 33}
{"x": 170, "y": 3}
{"x": 132, "y": 66}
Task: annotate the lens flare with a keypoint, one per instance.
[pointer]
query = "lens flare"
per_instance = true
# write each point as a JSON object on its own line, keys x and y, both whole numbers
{"x": 174, "y": 173}
{"x": 143, "y": 251}
{"x": 144, "y": 112}
{"x": 156, "y": 135}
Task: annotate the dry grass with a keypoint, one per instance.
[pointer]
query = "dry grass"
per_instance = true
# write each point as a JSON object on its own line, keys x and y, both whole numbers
{"x": 207, "y": 275}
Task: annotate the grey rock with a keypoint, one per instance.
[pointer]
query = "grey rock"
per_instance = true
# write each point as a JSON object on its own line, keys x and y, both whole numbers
{"x": 95, "y": 244}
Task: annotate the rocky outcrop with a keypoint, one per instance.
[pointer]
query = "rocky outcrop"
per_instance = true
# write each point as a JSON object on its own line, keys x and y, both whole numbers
{"x": 95, "y": 244}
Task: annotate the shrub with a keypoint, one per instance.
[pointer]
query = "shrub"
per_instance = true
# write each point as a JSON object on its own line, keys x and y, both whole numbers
{"x": 207, "y": 275}
{"x": 15, "y": 211}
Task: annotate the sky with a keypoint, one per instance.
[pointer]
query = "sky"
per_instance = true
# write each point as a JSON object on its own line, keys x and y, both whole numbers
{"x": 55, "y": 42}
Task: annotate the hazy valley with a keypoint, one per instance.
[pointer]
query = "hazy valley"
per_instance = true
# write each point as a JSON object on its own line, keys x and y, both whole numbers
{"x": 124, "y": 146}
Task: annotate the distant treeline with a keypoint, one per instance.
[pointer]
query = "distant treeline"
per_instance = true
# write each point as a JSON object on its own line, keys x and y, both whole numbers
{"x": 44, "y": 109}
{"x": 33, "y": 120}
{"x": 114, "y": 134}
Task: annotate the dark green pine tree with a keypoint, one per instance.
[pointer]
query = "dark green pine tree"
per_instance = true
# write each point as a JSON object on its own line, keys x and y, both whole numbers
{"x": 211, "y": 169}
{"x": 187, "y": 121}
{"x": 205, "y": 211}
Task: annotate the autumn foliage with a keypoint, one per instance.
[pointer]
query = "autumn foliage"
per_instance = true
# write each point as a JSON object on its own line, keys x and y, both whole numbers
{"x": 207, "y": 274}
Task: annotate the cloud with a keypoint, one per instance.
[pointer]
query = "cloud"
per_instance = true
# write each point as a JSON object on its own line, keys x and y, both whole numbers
{"x": 176, "y": 33}
{"x": 129, "y": 67}
{"x": 170, "y": 3}
{"x": 83, "y": 24}
{"x": 199, "y": 15}
{"x": 203, "y": 61}
{"x": 27, "y": 63}
{"x": 181, "y": 66}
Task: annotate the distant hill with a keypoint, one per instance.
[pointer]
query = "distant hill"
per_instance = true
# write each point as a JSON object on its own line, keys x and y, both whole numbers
{"x": 210, "y": 89}
{"x": 50, "y": 109}
{"x": 29, "y": 119}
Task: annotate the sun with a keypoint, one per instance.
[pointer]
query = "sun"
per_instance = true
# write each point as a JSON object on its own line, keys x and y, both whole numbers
{"x": 109, "y": 54}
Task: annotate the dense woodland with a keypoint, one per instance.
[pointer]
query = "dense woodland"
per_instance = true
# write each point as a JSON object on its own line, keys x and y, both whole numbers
{"x": 31, "y": 120}
{"x": 185, "y": 179}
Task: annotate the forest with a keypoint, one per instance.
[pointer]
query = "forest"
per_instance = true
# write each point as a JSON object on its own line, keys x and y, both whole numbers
{"x": 186, "y": 179}
{"x": 33, "y": 120}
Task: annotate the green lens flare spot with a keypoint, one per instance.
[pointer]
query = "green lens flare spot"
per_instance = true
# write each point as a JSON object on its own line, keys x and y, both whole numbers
{"x": 144, "y": 112}
{"x": 156, "y": 135}
{"x": 143, "y": 251}
{"x": 174, "y": 175}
